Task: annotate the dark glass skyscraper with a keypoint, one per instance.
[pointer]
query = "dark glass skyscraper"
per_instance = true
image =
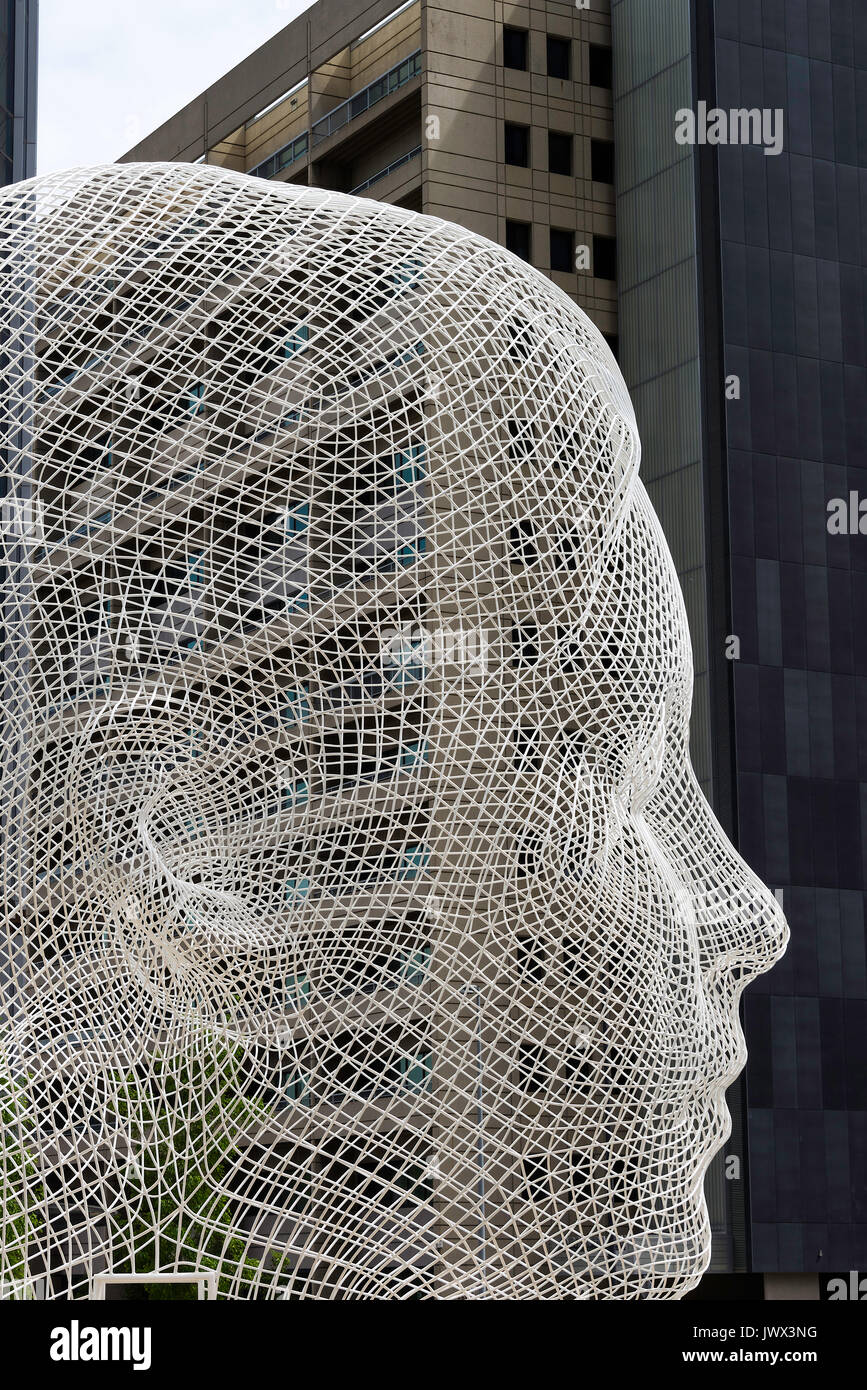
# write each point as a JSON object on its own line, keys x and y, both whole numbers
{"x": 744, "y": 343}
{"x": 18, "y": 44}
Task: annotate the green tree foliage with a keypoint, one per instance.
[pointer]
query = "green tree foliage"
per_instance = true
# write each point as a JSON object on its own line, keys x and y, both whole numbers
{"x": 185, "y": 1116}
{"x": 22, "y": 1195}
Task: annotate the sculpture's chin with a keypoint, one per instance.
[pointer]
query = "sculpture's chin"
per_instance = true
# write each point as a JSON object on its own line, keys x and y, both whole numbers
{"x": 662, "y": 1262}
{"x": 662, "y": 1253}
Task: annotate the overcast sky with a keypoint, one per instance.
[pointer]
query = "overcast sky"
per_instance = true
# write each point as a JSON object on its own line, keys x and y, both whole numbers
{"x": 112, "y": 70}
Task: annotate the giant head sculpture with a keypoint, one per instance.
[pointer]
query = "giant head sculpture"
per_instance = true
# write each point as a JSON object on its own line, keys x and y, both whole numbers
{"x": 368, "y": 935}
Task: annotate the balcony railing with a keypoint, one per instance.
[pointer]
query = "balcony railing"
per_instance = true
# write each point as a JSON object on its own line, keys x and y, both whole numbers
{"x": 389, "y": 169}
{"x": 362, "y": 101}
{"x": 288, "y": 154}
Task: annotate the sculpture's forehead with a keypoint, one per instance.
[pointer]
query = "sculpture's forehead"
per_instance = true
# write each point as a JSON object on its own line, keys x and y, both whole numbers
{"x": 202, "y": 267}
{"x": 165, "y": 225}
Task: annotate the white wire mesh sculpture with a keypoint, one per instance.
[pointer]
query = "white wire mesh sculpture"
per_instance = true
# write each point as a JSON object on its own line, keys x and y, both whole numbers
{"x": 367, "y": 933}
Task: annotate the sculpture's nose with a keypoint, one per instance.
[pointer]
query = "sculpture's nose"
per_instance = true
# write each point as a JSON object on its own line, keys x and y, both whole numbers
{"x": 748, "y": 929}
{"x": 738, "y": 923}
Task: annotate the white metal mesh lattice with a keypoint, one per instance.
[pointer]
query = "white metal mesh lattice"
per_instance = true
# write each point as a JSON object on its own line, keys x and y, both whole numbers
{"x": 367, "y": 934}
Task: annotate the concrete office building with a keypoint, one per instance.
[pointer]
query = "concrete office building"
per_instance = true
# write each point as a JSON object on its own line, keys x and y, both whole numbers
{"x": 728, "y": 262}
{"x": 498, "y": 117}
{"x": 18, "y": 40}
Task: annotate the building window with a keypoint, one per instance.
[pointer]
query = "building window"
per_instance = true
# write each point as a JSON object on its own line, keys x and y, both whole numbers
{"x": 406, "y": 656}
{"x": 527, "y": 751}
{"x": 517, "y": 145}
{"x": 572, "y": 744}
{"x": 605, "y": 257}
{"x": 297, "y": 1089}
{"x": 408, "y": 273}
{"x": 413, "y": 861}
{"x": 521, "y": 441}
{"x": 569, "y": 548}
{"x": 571, "y": 649}
{"x": 525, "y": 644}
{"x": 416, "y": 1071}
{"x": 408, "y": 554}
{"x": 559, "y": 57}
{"x": 414, "y": 966}
{"x": 515, "y": 48}
{"x": 562, "y": 254}
{"x": 297, "y": 708}
{"x": 195, "y": 403}
{"x": 518, "y": 239}
{"x": 522, "y": 542}
{"x": 531, "y": 958}
{"x": 533, "y": 1066}
{"x": 578, "y": 1069}
{"x": 297, "y": 991}
{"x": 602, "y": 161}
{"x": 575, "y": 959}
{"x": 600, "y": 66}
{"x": 297, "y": 340}
{"x": 528, "y": 850}
{"x": 559, "y": 153}
{"x": 520, "y": 339}
{"x": 409, "y": 469}
{"x": 295, "y": 794}
{"x": 297, "y": 518}
{"x": 536, "y": 1183}
{"x": 413, "y": 753}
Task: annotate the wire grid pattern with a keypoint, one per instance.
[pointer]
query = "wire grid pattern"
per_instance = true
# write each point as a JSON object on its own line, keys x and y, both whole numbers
{"x": 367, "y": 934}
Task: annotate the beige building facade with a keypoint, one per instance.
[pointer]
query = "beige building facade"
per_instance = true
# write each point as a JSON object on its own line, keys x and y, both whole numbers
{"x": 495, "y": 116}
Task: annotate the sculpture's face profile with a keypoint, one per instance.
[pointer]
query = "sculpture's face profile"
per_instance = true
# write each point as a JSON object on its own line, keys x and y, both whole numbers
{"x": 352, "y": 781}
